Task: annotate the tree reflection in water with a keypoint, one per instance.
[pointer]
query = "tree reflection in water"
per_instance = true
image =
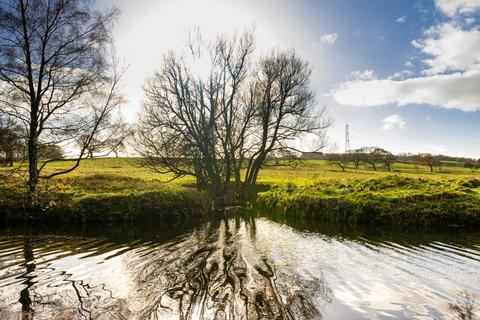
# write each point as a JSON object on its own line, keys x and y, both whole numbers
{"x": 25, "y": 300}
{"x": 218, "y": 273}
{"x": 236, "y": 268}
{"x": 47, "y": 293}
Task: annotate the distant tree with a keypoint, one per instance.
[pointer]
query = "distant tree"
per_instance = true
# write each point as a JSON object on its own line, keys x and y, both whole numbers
{"x": 92, "y": 147}
{"x": 387, "y": 158}
{"x": 338, "y": 159}
{"x": 11, "y": 141}
{"x": 119, "y": 144}
{"x": 428, "y": 160}
{"x": 111, "y": 136}
{"x": 471, "y": 164}
{"x": 118, "y": 137}
{"x": 50, "y": 151}
{"x": 356, "y": 157}
{"x": 373, "y": 156}
{"x": 52, "y": 54}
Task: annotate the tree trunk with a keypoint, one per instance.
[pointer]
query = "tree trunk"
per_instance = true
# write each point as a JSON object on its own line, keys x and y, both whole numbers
{"x": 33, "y": 159}
{"x": 9, "y": 158}
{"x": 32, "y": 173}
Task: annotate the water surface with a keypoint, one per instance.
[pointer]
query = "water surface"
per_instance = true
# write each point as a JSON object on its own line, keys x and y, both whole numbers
{"x": 234, "y": 268}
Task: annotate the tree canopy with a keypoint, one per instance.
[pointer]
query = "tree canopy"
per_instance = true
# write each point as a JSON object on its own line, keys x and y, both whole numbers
{"x": 223, "y": 125}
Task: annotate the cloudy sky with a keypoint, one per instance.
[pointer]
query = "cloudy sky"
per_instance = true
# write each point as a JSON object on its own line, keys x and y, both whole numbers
{"x": 404, "y": 75}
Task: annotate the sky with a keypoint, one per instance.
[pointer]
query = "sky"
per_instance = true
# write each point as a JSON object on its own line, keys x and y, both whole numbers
{"x": 404, "y": 75}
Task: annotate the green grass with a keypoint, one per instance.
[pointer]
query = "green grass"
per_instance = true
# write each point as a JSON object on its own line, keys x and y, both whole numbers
{"x": 120, "y": 189}
{"x": 407, "y": 195}
{"x": 393, "y": 200}
{"x": 104, "y": 190}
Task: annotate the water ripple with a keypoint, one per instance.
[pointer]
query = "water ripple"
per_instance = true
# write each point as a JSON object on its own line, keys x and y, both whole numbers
{"x": 237, "y": 268}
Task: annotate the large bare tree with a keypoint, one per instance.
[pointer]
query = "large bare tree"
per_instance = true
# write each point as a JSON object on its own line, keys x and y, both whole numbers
{"x": 222, "y": 124}
{"x": 52, "y": 53}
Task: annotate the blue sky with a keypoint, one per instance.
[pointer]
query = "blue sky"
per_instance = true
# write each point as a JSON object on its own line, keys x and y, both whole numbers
{"x": 403, "y": 74}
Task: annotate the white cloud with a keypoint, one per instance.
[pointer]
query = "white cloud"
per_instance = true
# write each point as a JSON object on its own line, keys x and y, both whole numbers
{"x": 400, "y": 75}
{"x": 453, "y": 7}
{"x": 451, "y": 78}
{"x": 401, "y": 19}
{"x": 328, "y": 39}
{"x": 363, "y": 75}
{"x": 450, "y": 48}
{"x": 455, "y": 91}
{"x": 393, "y": 121}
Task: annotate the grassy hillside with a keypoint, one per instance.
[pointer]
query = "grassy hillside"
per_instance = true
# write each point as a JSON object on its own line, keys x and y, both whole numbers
{"x": 120, "y": 189}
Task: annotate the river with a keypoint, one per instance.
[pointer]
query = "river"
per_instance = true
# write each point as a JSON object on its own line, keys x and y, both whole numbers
{"x": 235, "y": 268}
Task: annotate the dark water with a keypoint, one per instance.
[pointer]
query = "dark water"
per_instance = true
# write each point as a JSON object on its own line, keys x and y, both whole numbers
{"x": 234, "y": 268}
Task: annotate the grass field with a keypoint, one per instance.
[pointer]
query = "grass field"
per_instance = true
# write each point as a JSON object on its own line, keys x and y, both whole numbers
{"x": 120, "y": 189}
{"x": 103, "y": 189}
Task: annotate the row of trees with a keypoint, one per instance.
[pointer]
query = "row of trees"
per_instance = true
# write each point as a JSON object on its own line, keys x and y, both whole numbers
{"x": 375, "y": 157}
{"x": 13, "y": 142}
{"x": 471, "y": 164}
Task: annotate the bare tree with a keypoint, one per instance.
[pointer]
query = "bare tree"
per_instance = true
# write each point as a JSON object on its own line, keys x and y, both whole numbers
{"x": 110, "y": 136}
{"x": 387, "y": 158}
{"x": 49, "y": 151}
{"x": 339, "y": 159}
{"x": 187, "y": 122}
{"x": 284, "y": 109}
{"x": 356, "y": 157}
{"x": 372, "y": 156}
{"x": 120, "y": 135}
{"x": 428, "y": 160}
{"x": 93, "y": 147}
{"x": 234, "y": 117}
{"x": 51, "y": 54}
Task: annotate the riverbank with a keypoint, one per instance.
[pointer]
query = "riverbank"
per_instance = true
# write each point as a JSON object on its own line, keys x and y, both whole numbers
{"x": 165, "y": 204}
{"x": 104, "y": 190}
{"x": 391, "y": 200}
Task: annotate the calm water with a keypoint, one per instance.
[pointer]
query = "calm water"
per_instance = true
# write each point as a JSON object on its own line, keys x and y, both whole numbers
{"x": 235, "y": 268}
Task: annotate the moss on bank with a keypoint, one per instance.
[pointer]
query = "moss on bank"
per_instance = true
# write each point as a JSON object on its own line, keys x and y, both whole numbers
{"x": 394, "y": 200}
